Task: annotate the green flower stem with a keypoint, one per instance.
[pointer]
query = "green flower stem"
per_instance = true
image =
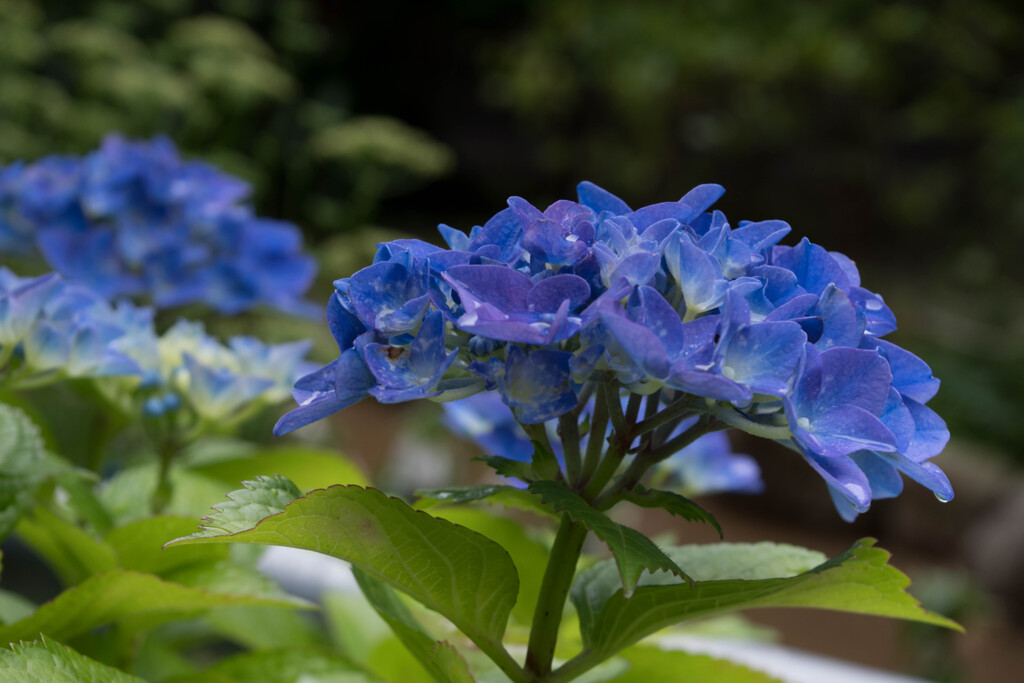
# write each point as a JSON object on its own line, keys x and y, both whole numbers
{"x": 734, "y": 419}
{"x": 633, "y": 408}
{"x": 595, "y": 443}
{"x": 645, "y": 460}
{"x": 163, "y": 491}
{"x": 538, "y": 433}
{"x": 676, "y": 409}
{"x": 569, "y": 431}
{"x": 606, "y": 469}
{"x": 611, "y": 401}
{"x": 547, "y": 618}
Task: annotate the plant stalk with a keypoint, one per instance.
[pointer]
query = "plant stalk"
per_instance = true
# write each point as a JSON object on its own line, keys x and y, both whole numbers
{"x": 547, "y": 618}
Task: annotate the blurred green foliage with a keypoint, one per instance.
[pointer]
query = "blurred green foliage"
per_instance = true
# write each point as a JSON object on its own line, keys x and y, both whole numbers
{"x": 238, "y": 82}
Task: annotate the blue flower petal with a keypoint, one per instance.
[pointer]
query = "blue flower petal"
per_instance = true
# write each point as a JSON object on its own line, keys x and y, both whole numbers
{"x": 599, "y": 199}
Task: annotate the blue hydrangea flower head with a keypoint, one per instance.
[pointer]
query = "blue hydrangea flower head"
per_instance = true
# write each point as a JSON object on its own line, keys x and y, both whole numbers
{"x": 134, "y": 219}
{"x": 704, "y": 324}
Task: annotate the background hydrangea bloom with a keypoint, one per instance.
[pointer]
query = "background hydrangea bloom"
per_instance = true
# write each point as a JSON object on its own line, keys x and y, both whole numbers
{"x": 669, "y": 307}
{"x": 52, "y": 329}
{"x": 134, "y": 219}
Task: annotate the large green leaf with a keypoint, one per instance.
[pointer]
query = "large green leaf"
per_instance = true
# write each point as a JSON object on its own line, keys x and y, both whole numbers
{"x": 530, "y": 555}
{"x": 648, "y": 664}
{"x": 24, "y": 465}
{"x": 457, "y": 572}
{"x": 45, "y": 661}
{"x": 439, "y": 658}
{"x": 72, "y": 552}
{"x": 633, "y": 552}
{"x": 859, "y": 580}
{"x": 674, "y": 504}
{"x": 137, "y": 600}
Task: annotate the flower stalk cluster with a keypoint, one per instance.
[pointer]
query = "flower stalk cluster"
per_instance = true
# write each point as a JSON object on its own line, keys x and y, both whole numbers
{"x": 654, "y": 327}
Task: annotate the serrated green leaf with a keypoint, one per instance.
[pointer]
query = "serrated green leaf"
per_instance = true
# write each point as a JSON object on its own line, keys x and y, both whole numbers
{"x": 457, "y": 572}
{"x": 859, "y": 580}
{"x": 139, "y": 546}
{"x": 72, "y": 552}
{"x": 247, "y": 507}
{"x": 509, "y": 496}
{"x": 506, "y": 467}
{"x": 309, "y": 468}
{"x": 633, "y": 552}
{"x": 674, "y": 504}
{"x": 442, "y": 661}
{"x": 140, "y": 600}
{"x": 24, "y": 465}
{"x": 45, "y": 661}
{"x": 648, "y": 664}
